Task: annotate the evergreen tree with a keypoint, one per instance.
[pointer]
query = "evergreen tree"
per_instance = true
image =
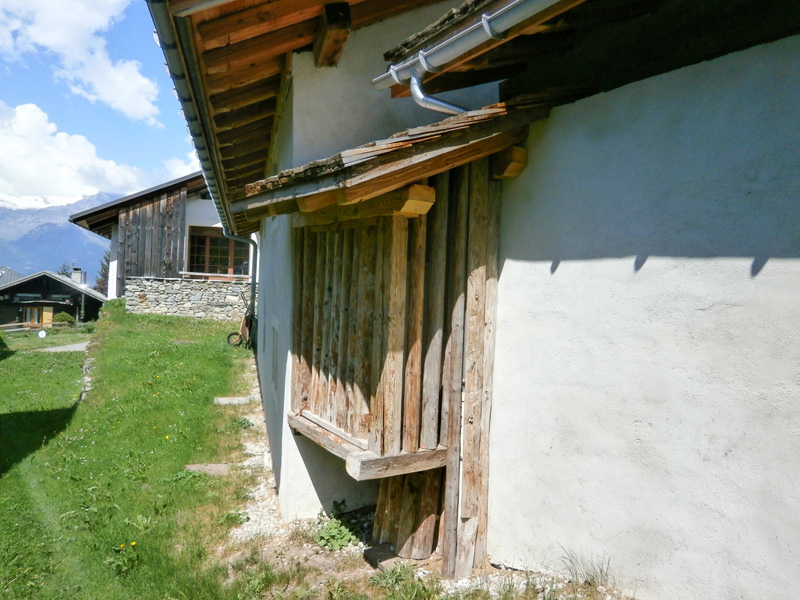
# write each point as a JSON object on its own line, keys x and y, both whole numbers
{"x": 65, "y": 269}
{"x": 101, "y": 281}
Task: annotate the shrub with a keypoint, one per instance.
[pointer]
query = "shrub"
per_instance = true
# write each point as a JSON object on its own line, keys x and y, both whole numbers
{"x": 63, "y": 317}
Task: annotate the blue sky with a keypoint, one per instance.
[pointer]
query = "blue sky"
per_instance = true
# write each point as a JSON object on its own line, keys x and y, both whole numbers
{"x": 85, "y": 103}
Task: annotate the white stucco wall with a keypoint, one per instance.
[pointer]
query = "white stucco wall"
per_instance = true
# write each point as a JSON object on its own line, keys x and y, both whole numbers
{"x": 647, "y": 376}
{"x": 201, "y": 212}
{"x": 339, "y": 108}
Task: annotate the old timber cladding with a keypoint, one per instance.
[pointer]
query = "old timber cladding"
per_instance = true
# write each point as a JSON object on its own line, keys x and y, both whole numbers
{"x": 151, "y": 237}
{"x": 394, "y": 322}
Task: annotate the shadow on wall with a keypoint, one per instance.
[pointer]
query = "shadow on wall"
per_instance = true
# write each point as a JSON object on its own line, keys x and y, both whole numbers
{"x": 736, "y": 214}
{"x": 24, "y": 432}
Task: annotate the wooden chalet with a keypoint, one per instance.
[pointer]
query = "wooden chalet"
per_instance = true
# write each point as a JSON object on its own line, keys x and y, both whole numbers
{"x": 33, "y": 300}
{"x": 170, "y": 231}
{"x": 389, "y": 249}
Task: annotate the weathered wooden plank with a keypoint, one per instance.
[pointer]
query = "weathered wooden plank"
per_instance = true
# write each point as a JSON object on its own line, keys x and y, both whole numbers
{"x": 435, "y": 277}
{"x": 319, "y": 311}
{"x": 395, "y": 280}
{"x": 334, "y": 324}
{"x": 379, "y": 527}
{"x": 135, "y": 269}
{"x": 454, "y": 353}
{"x": 327, "y": 425}
{"x": 425, "y": 534}
{"x": 322, "y": 405}
{"x": 467, "y": 531}
{"x": 180, "y": 230}
{"x": 412, "y": 400}
{"x": 492, "y": 277}
{"x": 146, "y": 256}
{"x": 409, "y": 201}
{"x": 357, "y": 407}
{"x": 375, "y": 338}
{"x": 473, "y": 337}
{"x": 321, "y": 436}
{"x": 259, "y": 70}
{"x": 332, "y": 34}
{"x": 307, "y": 320}
{"x": 123, "y": 251}
{"x": 394, "y": 502}
{"x": 298, "y": 247}
{"x": 368, "y": 465}
{"x": 343, "y": 409}
{"x": 170, "y": 269}
{"x": 407, "y": 515}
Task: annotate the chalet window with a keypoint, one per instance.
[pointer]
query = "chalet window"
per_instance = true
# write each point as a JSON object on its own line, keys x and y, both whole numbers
{"x": 211, "y": 252}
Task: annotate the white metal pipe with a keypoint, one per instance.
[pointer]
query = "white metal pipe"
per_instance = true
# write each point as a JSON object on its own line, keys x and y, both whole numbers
{"x": 430, "y": 102}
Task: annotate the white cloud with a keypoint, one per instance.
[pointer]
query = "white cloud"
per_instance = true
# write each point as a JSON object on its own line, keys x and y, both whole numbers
{"x": 50, "y": 167}
{"x": 177, "y": 167}
{"x": 72, "y": 30}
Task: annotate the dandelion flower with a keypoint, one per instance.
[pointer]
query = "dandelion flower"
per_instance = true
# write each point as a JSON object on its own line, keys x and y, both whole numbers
{"x": 122, "y": 545}
{"x": 166, "y": 437}
{"x": 133, "y": 543}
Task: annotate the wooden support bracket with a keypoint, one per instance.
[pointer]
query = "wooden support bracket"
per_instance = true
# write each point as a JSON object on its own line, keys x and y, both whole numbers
{"x": 333, "y": 30}
{"x": 508, "y": 163}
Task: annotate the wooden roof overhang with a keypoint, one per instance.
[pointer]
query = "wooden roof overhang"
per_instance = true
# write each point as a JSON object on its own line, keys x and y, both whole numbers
{"x": 332, "y": 186}
{"x": 230, "y": 59}
{"x": 577, "y": 48}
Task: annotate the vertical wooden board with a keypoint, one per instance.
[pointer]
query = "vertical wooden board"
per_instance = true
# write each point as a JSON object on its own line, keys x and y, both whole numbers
{"x": 492, "y": 279}
{"x": 323, "y": 407}
{"x": 332, "y": 413}
{"x": 343, "y": 420}
{"x": 473, "y": 336}
{"x": 454, "y": 350}
{"x": 169, "y": 269}
{"x": 436, "y": 250}
{"x": 375, "y": 337}
{"x": 425, "y": 533}
{"x": 307, "y": 319}
{"x": 141, "y": 260}
{"x": 357, "y": 406}
{"x": 394, "y": 508}
{"x": 467, "y": 531}
{"x": 412, "y": 396}
{"x": 395, "y": 274}
{"x": 147, "y": 257}
{"x": 159, "y": 236}
{"x": 407, "y": 515}
{"x": 319, "y": 306}
{"x": 180, "y": 233}
{"x": 379, "y": 525}
{"x": 133, "y": 229}
{"x": 298, "y": 246}
{"x": 123, "y": 254}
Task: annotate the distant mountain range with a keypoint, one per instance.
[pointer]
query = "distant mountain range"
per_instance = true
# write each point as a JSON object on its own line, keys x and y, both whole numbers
{"x": 33, "y": 240}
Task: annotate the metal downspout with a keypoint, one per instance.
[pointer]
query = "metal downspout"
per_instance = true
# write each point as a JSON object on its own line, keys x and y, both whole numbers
{"x": 430, "y": 102}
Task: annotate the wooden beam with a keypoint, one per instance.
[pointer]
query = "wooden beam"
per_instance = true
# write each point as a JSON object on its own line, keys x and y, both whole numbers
{"x": 258, "y": 70}
{"x": 508, "y": 163}
{"x": 322, "y": 437}
{"x": 332, "y": 34}
{"x": 412, "y": 396}
{"x": 410, "y": 201}
{"x": 244, "y": 96}
{"x": 365, "y": 465}
{"x": 260, "y": 48}
{"x": 327, "y": 425}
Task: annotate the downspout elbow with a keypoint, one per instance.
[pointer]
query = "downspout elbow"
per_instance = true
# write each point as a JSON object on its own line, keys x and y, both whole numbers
{"x": 430, "y": 102}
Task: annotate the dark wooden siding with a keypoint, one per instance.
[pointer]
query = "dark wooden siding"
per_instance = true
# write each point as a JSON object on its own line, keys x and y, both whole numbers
{"x": 151, "y": 237}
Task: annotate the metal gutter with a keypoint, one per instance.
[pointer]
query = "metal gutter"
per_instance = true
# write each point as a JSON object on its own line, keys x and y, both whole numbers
{"x": 491, "y": 26}
{"x": 185, "y": 79}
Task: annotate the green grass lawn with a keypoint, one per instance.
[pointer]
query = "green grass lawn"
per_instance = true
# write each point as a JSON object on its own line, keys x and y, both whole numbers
{"x": 94, "y": 500}
{"x": 30, "y": 340}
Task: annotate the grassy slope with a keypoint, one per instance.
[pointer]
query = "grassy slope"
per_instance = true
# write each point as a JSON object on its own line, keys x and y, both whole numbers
{"x": 81, "y": 482}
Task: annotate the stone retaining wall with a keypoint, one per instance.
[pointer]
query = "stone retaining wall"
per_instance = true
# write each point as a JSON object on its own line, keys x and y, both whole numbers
{"x": 201, "y": 298}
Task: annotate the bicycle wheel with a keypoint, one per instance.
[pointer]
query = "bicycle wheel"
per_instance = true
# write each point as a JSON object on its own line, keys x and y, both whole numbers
{"x": 235, "y": 339}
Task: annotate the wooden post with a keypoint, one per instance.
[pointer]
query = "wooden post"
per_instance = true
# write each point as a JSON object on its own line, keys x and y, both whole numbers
{"x": 319, "y": 306}
{"x": 357, "y": 404}
{"x": 373, "y": 336}
{"x": 434, "y": 314}
{"x": 492, "y": 276}
{"x": 412, "y": 401}
{"x": 454, "y": 352}
{"x": 394, "y": 286}
{"x": 298, "y": 246}
{"x": 310, "y": 250}
{"x": 333, "y": 410}
{"x": 332, "y": 34}
{"x": 342, "y": 407}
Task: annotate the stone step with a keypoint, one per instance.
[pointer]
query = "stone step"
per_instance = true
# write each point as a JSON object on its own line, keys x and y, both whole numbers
{"x": 231, "y": 400}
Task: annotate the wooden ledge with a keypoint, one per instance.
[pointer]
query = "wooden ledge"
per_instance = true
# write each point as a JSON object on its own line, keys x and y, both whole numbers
{"x": 363, "y": 465}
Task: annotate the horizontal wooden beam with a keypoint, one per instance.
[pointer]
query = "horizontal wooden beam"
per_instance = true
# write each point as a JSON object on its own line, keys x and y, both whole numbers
{"x": 366, "y": 465}
{"x": 258, "y": 70}
{"x": 410, "y": 201}
{"x": 260, "y": 48}
{"x": 322, "y": 437}
{"x": 508, "y": 163}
